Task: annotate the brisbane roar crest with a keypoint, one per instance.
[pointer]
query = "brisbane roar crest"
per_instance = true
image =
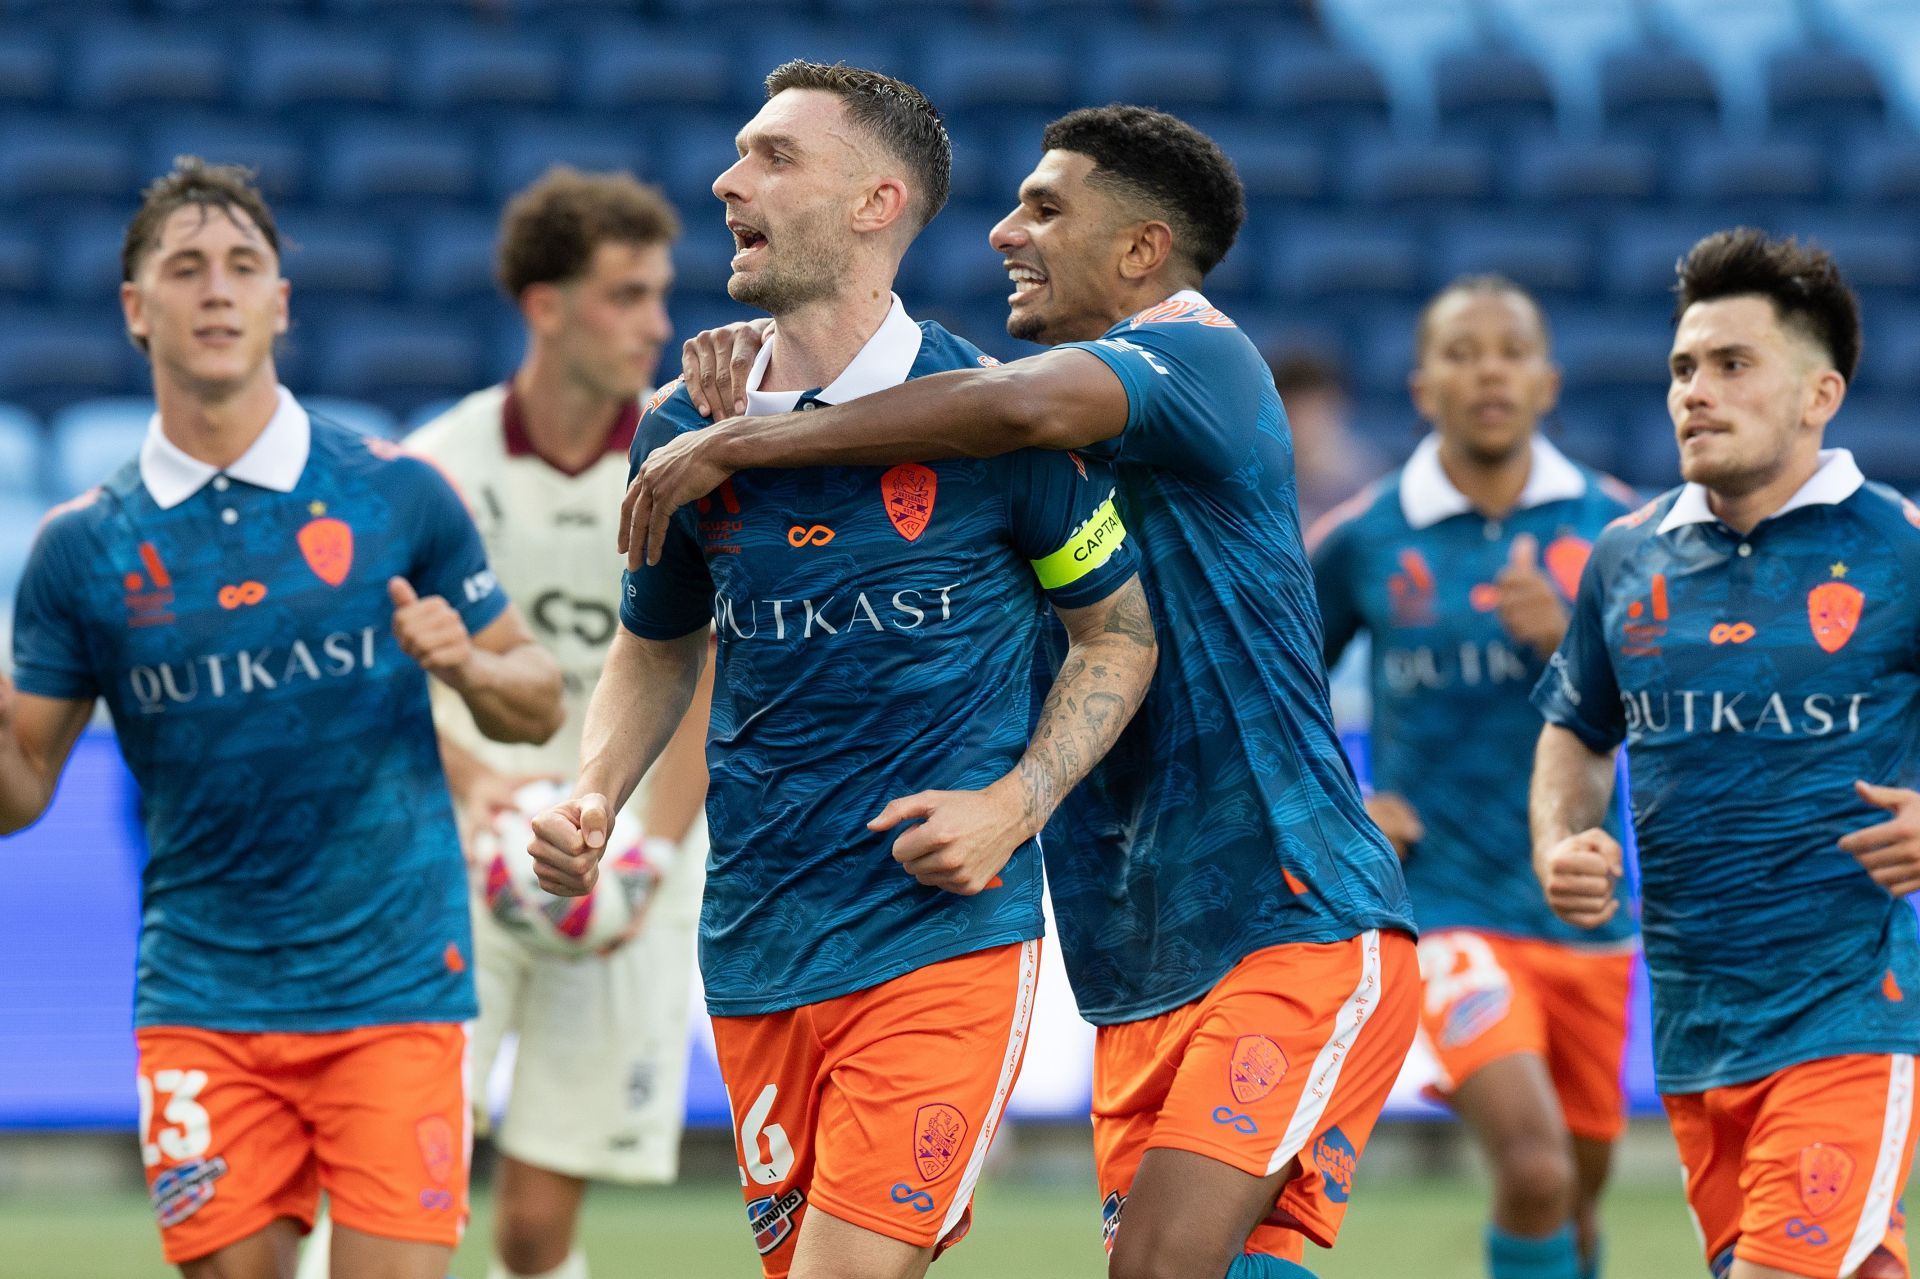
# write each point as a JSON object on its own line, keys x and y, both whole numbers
{"x": 435, "y": 1136}
{"x": 1833, "y": 611}
{"x": 1566, "y": 558}
{"x": 907, "y": 491}
{"x": 1257, "y": 1068}
{"x": 938, "y": 1131}
{"x": 1825, "y": 1173}
{"x": 328, "y": 545}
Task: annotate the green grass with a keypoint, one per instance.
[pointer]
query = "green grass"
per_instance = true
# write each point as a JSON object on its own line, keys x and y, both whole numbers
{"x": 1423, "y": 1229}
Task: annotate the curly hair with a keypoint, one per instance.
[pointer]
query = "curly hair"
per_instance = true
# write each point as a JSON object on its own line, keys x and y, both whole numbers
{"x": 1167, "y": 166}
{"x": 1803, "y": 282}
{"x": 193, "y": 183}
{"x": 550, "y": 230}
{"x": 894, "y": 113}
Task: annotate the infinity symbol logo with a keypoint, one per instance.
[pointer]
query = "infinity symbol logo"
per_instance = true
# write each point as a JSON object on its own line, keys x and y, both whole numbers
{"x": 1240, "y": 1123}
{"x": 1806, "y": 1231}
{"x": 812, "y": 535}
{"x": 232, "y": 597}
{"x": 902, "y": 1193}
{"x": 1737, "y": 633}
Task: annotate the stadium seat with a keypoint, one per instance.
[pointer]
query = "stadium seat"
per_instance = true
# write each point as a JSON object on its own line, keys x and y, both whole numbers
{"x": 1879, "y": 431}
{"x": 878, "y": 46}
{"x": 1174, "y": 72}
{"x": 1491, "y": 91}
{"x": 1873, "y": 253}
{"x": 971, "y": 68}
{"x": 331, "y": 253}
{"x": 1605, "y": 174}
{"x": 52, "y": 160}
{"x": 1569, "y": 39}
{"x": 1272, "y": 165}
{"x": 1404, "y": 39}
{"x": 1615, "y": 347}
{"x": 528, "y": 148}
{"x": 696, "y": 150}
{"x": 1885, "y": 170}
{"x": 1541, "y": 255}
{"x": 451, "y": 258}
{"x": 702, "y": 259}
{"x": 1305, "y": 84}
{"x": 369, "y": 161}
{"x": 20, "y": 516}
{"x": 386, "y": 354}
{"x": 1823, "y": 90}
{"x": 1319, "y": 256}
{"x": 1641, "y": 251}
{"x": 952, "y": 260}
{"x": 455, "y": 68}
{"x": 1734, "y": 39}
{"x": 29, "y": 68}
{"x": 1657, "y": 91}
{"x": 1714, "y": 172}
{"x": 84, "y": 262}
{"x": 1383, "y": 171}
{"x": 20, "y": 260}
{"x": 1886, "y": 35}
{"x": 276, "y": 155}
{"x": 291, "y": 65}
{"x": 117, "y": 66}
{"x": 94, "y": 438}
{"x": 355, "y": 415}
{"x": 677, "y": 67}
{"x": 1650, "y": 460}
{"x": 22, "y": 452}
{"x": 432, "y": 409}
{"x": 47, "y": 356}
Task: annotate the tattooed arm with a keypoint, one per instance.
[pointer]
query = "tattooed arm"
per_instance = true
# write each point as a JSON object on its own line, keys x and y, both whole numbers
{"x": 964, "y": 838}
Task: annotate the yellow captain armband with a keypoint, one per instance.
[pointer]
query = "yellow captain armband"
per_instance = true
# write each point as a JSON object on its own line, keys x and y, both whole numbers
{"x": 1091, "y": 545}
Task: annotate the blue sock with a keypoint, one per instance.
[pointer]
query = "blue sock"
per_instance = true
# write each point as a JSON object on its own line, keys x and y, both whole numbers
{"x": 1512, "y": 1257}
{"x": 1258, "y": 1265}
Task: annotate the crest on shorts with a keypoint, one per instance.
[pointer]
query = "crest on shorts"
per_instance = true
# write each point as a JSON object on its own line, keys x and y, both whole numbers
{"x": 435, "y": 1136}
{"x": 328, "y": 545}
{"x": 907, "y": 491}
{"x": 1825, "y": 1173}
{"x": 770, "y": 1217}
{"x": 938, "y": 1130}
{"x": 185, "y": 1189}
{"x": 1833, "y": 610}
{"x": 1257, "y": 1068}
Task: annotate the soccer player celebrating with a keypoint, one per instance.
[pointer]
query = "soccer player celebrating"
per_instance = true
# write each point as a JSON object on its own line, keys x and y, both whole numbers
{"x": 260, "y": 598}
{"x": 871, "y": 988}
{"x": 1462, "y": 567}
{"x": 1230, "y": 918}
{"x": 1750, "y": 637}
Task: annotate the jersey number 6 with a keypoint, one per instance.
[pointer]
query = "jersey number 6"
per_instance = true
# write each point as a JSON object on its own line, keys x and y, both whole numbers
{"x": 779, "y": 1160}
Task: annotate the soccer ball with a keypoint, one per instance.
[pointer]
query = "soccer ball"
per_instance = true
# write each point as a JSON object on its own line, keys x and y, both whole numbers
{"x": 575, "y": 926}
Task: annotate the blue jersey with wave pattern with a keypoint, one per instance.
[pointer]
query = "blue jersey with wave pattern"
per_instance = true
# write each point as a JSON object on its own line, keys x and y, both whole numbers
{"x": 1753, "y": 679}
{"x": 1226, "y": 819}
{"x": 1453, "y": 729}
{"x": 876, "y": 631}
{"x": 303, "y": 870}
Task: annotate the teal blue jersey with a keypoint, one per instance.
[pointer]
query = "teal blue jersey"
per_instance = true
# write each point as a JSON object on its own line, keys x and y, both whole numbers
{"x": 876, "y": 631}
{"x": 1226, "y": 819}
{"x": 1411, "y": 563}
{"x": 1753, "y": 680}
{"x": 303, "y": 869}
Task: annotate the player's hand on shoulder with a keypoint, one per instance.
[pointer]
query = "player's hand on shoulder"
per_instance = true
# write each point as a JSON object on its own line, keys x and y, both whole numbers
{"x": 1397, "y": 820}
{"x": 1889, "y": 850}
{"x": 1530, "y": 609}
{"x": 680, "y": 471}
{"x": 568, "y": 841}
{"x": 1578, "y": 875}
{"x": 716, "y": 363}
{"x": 963, "y": 839}
{"x": 429, "y": 630}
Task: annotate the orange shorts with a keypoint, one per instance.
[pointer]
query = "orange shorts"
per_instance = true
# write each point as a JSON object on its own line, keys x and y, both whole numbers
{"x": 877, "y": 1107}
{"x": 1489, "y": 996}
{"x": 237, "y": 1130}
{"x": 1803, "y": 1170}
{"x": 1291, "y": 1055}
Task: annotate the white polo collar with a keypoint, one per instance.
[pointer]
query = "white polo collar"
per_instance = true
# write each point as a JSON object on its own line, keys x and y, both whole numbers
{"x": 1427, "y": 496}
{"x": 884, "y": 361}
{"x": 1838, "y": 479}
{"x": 273, "y": 461}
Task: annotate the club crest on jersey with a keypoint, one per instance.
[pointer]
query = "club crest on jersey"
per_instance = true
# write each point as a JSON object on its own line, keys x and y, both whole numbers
{"x": 327, "y": 544}
{"x": 1833, "y": 611}
{"x": 770, "y": 1217}
{"x": 938, "y": 1130}
{"x": 1825, "y": 1173}
{"x": 185, "y": 1189}
{"x": 435, "y": 1136}
{"x": 1566, "y": 559}
{"x": 907, "y": 491}
{"x": 1411, "y": 590}
{"x": 1256, "y": 1069}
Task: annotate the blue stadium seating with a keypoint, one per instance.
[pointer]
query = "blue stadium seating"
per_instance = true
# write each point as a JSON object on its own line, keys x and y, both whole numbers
{"x": 1883, "y": 170}
{"x": 20, "y": 270}
{"x": 454, "y": 68}
{"x": 1317, "y": 256}
{"x": 1404, "y": 39}
{"x": 1720, "y": 173}
{"x": 94, "y": 438}
{"x": 1823, "y": 91}
{"x": 22, "y": 453}
{"x": 392, "y": 355}
{"x": 630, "y": 66}
{"x": 988, "y": 69}
{"x": 51, "y": 159}
{"x": 528, "y": 148}
{"x": 952, "y": 259}
{"x": 370, "y": 161}
{"x": 85, "y": 263}
{"x": 19, "y": 525}
{"x": 880, "y": 46}
{"x": 1547, "y": 257}
{"x": 1274, "y": 166}
{"x": 1879, "y": 430}
{"x": 355, "y": 415}
{"x": 119, "y": 66}
{"x": 1390, "y": 172}
{"x": 1885, "y": 34}
{"x": 277, "y": 155}
{"x": 1890, "y": 356}
{"x": 29, "y": 68}
{"x": 695, "y": 152}
{"x": 426, "y": 413}
{"x": 1569, "y": 40}
{"x": 450, "y": 258}
{"x": 1657, "y": 91}
{"x": 1491, "y": 91}
{"x": 329, "y": 253}
{"x": 1642, "y": 248}
{"x": 1608, "y": 174}
{"x": 1612, "y": 348}
{"x": 1311, "y": 86}
{"x": 1735, "y": 39}
{"x": 1174, "y": 72}
{"x": 298, "y": 64}
{"x": 50, "y": 357}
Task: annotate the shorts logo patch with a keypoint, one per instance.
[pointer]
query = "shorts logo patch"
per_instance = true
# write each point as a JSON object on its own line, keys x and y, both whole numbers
{"x": 1335, "y": 1157}
{"x": 938, "y": 1130}
{"x": 185, "y": 1189}
{"x": 435, "y": 1136}
{"x": 1110, "y": 1209}
{"x": 1257, "y": 1068}
{"x": 918, "y": 1200}
{"x": 1473, "y": 1015}
{"x": 1825, "y": 1173}
{"x": 328, "y": 545}
{"x": 770, "y": 1217}
{"x": 907, "y": 492}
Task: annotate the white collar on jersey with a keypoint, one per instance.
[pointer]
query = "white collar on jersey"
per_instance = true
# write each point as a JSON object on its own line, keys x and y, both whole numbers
{"x": 883, "y": 362}
{"x": 1427, "y": 496}
{"x": 273, "y": 461}
{"x": 1838, "y": 479}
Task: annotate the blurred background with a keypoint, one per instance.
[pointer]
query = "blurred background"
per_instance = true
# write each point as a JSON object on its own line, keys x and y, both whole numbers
{"x": 1579, "y": 146}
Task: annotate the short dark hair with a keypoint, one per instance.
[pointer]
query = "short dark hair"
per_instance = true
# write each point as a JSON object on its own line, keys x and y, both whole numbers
{"x": 1486, "y": 284}
{"x": 1802, "y": 281}
{"x": 1165, "y": 164}
{"x": 894, "y": 114}
{"x": 193, "y": 183}
{"x": 550, "y": 231}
